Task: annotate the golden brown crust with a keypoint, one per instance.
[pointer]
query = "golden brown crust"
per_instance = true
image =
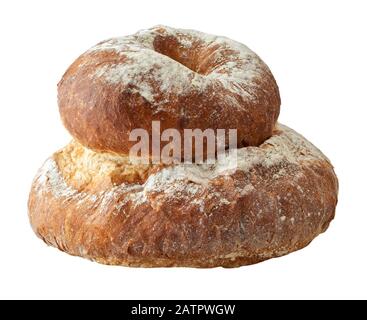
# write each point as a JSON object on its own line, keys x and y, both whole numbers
{"x": 273, "y": 201}
{"x": 184, "y": 79}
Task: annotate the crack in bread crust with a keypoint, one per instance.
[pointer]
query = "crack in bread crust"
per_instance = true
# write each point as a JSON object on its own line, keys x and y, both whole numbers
{"x": 84, "y": 168}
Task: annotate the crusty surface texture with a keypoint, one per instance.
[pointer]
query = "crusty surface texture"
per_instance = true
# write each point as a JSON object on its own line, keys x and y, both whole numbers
{"x": 273, "y": 200}
{"x": 183, "y": 78}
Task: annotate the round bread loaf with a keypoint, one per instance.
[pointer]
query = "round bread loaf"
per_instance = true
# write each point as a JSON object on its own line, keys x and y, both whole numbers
{"x": 273, "y": 200}
{"x": 183, "y": 78}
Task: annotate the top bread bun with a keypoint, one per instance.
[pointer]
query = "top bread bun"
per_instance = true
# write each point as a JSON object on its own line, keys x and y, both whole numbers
{"x": 184, "y": 78}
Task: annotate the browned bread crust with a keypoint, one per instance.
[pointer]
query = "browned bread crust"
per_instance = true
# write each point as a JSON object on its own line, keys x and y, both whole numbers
{"x": 275, "y": 200}
{"x": 183, "y": 78}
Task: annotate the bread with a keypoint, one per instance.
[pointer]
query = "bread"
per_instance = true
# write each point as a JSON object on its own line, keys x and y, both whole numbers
{"x": 276, "y": 200}
{"x": 185, "y": 79}
{"x": 273, "y": 195}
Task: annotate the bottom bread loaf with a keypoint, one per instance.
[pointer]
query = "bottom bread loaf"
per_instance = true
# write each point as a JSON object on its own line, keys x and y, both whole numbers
{"x": 273, "y": 200}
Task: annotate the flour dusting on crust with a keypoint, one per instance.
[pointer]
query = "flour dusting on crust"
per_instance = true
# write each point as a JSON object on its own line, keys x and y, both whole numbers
{"x": 236, "y": 66}
{"x": 187, "y": 180}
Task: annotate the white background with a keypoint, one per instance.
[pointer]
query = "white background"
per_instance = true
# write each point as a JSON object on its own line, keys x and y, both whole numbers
{"x": 317, "y": 51}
